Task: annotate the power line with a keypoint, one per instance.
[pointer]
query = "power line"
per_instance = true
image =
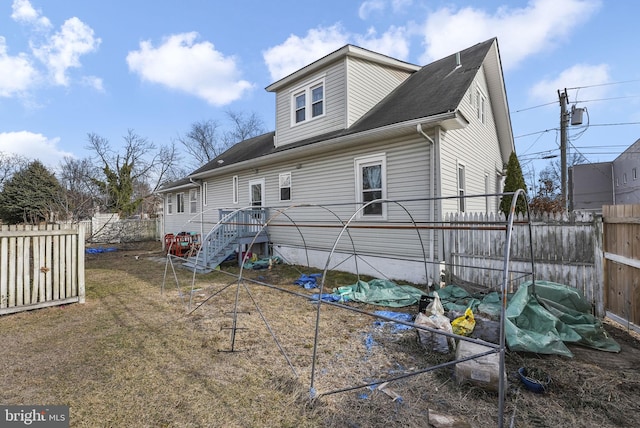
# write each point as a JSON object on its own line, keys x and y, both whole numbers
{"x": 605, "y": 84}
{"x": 531, "y": 108}
{"x": 607, "y": 99}
{"x": 585, "y": 87}
{"x": 593, "y": 124}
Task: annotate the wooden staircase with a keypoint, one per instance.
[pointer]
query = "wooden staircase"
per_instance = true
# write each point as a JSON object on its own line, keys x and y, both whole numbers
{"x": 233, "y": 230}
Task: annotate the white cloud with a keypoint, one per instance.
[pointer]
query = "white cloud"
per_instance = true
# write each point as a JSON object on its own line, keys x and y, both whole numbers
{"x": 394, "y": 42}
{"x": 33, "y": 146}
{"x": 297, "y": 52}
{"x": 194, "y": 68}
{"x": 24, "y": 12}
{"x": 63, "y": 50}
{"x": 398, "y": 5}
{"x": 58, "y": 52}
{"x": 17, "y": 74}
{"x": 580, "y": 75}
{"x": 370, "y": 6}
{"x": 93, "y": 82}
{"x": 521, "y": 32}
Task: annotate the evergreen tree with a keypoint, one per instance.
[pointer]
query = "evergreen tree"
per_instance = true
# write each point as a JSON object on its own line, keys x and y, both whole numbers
{"x": 30, "y": 195}
{"x": 513, "y": 182}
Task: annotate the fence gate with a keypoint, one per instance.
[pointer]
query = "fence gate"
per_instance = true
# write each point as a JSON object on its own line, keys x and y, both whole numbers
{"x": 622, "y": 263}
{"x": 40, "y": 266}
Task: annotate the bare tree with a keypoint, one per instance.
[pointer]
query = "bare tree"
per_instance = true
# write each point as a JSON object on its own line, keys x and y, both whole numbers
{"x": 548, "y": 195}
{"x": 201, "y": 142}
{"x": 140, "y": 162}
{"x": 205, "y": 141}
{"x": 81, "y": 196}
{"x": 244, "y": 127}
{"x": 10, "y": 163}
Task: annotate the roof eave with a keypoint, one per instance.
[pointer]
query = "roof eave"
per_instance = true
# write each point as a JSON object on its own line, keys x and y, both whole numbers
{"x": 345, "y": 51}
{"x": 448, "y": 120}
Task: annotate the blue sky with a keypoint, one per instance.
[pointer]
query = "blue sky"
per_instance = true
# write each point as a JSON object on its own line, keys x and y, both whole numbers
{"x": 73, "y": 67}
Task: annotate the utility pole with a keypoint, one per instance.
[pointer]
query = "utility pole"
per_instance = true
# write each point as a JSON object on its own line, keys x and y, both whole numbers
{"x": 564, "y": 121}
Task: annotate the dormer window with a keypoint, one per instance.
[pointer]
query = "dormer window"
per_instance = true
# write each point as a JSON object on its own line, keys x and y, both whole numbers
{"x": 308, "y": 102}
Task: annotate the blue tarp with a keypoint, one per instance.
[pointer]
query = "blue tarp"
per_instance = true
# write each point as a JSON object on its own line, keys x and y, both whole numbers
{"x": 99, "y": 250}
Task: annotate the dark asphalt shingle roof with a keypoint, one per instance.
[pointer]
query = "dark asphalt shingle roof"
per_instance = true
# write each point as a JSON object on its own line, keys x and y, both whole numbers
{"x": 434, "y": 89}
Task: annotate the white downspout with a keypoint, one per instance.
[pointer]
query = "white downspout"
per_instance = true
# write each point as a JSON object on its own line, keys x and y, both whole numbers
{"x": 432, "y": 209}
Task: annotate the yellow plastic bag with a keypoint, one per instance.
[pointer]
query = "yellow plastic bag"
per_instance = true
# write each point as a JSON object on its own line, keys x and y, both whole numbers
{"x": 464, "y": 325}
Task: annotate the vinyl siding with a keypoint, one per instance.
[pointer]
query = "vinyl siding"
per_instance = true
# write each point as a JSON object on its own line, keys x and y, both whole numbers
{"x": 476, "y": 146}
{"x": 353, "y": 86}
{"x": 368, "y": 84}
{"x": 326, "y": 185}
{"x": 329, "y": 183}
{"x": 335, "y": 105}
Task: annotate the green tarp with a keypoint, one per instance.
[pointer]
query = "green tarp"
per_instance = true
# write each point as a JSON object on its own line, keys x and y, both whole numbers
{"x": 381, "y": 292}
{"x": 543, "y": 322}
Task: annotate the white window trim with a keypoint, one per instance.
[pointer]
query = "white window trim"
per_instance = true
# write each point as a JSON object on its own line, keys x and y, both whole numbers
{"x": 193, "y": 208}
{"x": 379, "y": 158}
{"x": 461, "y": 186}
{"x": 280, "y": 186}
{"x": 236, "y": 188}
{"x": 487, "y": 191}
{"x": 481, "y": 105}
{"x": 263, "y": 194}
{"x": 307, "y": 90}
{"x": 634, "y": 173}
{"x": 204, "y": 193}
{"x": 169, "y": 203}
{"x": 179, "y": 197}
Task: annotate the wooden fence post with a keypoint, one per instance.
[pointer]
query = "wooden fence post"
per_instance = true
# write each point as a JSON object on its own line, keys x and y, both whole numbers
{"x": 598, "y": 262}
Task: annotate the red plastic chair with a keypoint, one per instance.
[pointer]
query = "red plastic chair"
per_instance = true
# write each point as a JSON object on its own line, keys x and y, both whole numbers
{"x": 169, "y": 243}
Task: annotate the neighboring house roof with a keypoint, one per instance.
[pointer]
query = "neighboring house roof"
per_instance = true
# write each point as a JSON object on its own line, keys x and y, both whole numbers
{"x": 433, "y": 91}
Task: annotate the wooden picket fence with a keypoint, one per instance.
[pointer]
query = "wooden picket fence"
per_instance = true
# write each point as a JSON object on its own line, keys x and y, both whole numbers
{"x": 622, "y": 263}
{"x": 566, "y": 248}
{"x": 40, "y": 266}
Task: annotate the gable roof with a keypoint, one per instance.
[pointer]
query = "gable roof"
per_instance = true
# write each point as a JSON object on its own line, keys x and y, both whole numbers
{"x": 437, "y": 88}
{"x": 433, "y": 92}
{"x": 347, "y": 50}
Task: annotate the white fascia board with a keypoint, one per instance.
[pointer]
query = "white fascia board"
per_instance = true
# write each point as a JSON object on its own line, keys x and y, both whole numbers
{"x": 449, "y": 120}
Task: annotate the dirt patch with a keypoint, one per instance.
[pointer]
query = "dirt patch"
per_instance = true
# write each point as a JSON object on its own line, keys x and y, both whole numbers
{"x": 133, "y": 356}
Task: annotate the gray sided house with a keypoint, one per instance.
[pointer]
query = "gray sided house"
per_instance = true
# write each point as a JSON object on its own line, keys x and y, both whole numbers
{"x": 593, "y": 185}
{"x": 364, "y": 139}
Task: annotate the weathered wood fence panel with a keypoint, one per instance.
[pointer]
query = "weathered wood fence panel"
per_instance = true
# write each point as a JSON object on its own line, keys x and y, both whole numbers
{"x": 109, "y": 228}
{"x": 566, "y": 249}
{"x": 40, "y": 267}
{"x": 622, "y": 263}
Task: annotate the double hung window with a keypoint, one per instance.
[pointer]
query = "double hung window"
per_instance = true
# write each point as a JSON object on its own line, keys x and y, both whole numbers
{"x": 285, "y": 186}
{"x": 308, "y": 102}
{"x": 193, "y": 201}
{"x": 169, "y": 203}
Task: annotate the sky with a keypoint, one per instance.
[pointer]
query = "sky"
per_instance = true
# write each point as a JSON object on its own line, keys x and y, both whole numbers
{"x": 73, "y": 67}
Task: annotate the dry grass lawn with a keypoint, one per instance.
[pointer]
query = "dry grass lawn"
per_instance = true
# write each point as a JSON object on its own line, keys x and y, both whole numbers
{"x": 135, "y": 357}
